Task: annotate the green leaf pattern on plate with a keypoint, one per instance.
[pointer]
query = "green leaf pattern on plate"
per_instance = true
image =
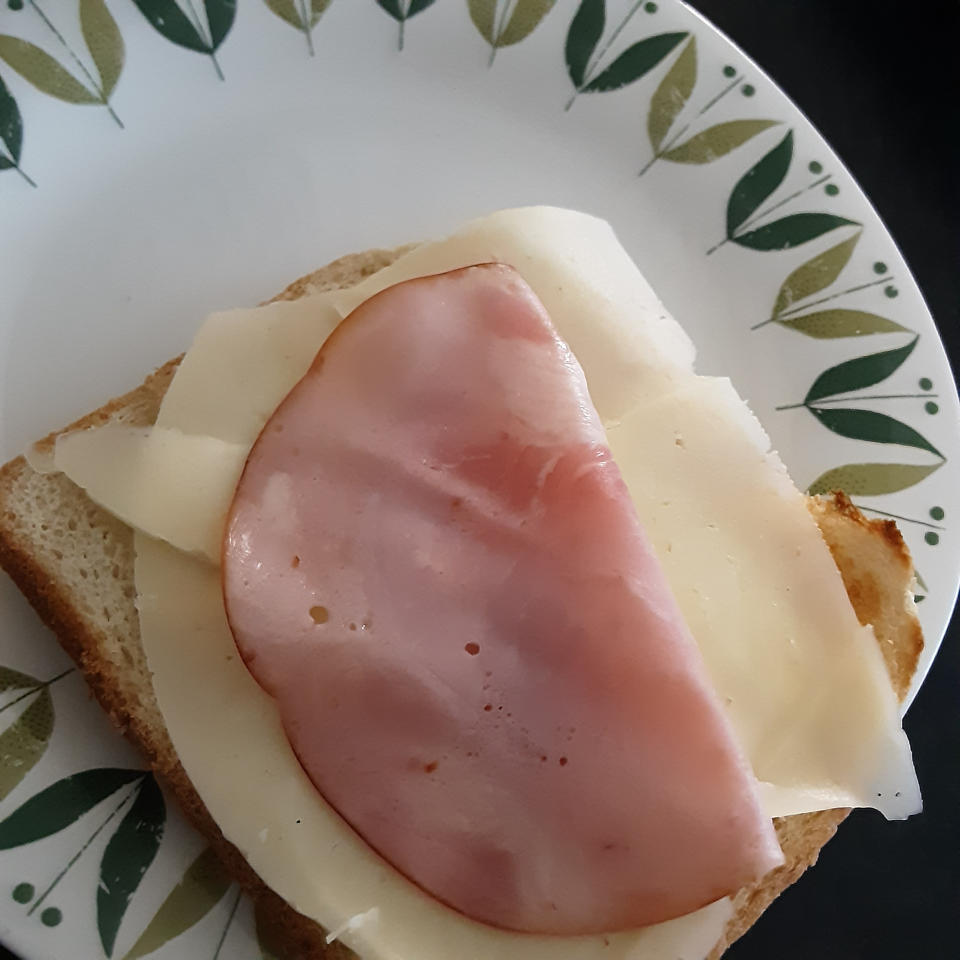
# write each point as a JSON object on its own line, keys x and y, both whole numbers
{"x": 61, "y": 804}
{"x": 635, "y": 62}
{"x": 36, "y": 66}
{"x": 816, "y": 274}
{"x": 201, "y": 888}
{"x": 11, "y": 127}
{"x": 791, "y": 231}
{"x": 128, "y": 854}
{"x": 758, "y": 183}
{"x": 503, "y": 23}
{"x": 672, "y": 94}
{"x": 103, "y": 40}
{"x": 25, "y": 741}
{"x": 717, "y": 141}
{"x": 402, "y": 11}
{"x": 584, "y": 34}
{"x": 871, "y": 479}
{"x": 302, "y": 15}
{"x": 860, "y": 424}
{"x": 840, "y": 322}
{"x": 858, "y": 373}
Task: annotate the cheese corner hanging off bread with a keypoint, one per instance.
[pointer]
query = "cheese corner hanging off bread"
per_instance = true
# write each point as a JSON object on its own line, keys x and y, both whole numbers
{"x": 74, "y": 562}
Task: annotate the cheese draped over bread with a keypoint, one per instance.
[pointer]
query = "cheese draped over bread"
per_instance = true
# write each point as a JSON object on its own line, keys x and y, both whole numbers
{"x": 803, "y": 682}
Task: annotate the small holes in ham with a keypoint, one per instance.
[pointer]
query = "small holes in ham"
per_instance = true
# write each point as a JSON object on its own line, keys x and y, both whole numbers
{"x": 295, "y": 562}
{"x": 472, "y": 648}
{"x": 319, "y": 614}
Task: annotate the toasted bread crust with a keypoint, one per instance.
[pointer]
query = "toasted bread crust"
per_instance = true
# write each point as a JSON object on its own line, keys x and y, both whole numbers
{"x": 871, "y": 555}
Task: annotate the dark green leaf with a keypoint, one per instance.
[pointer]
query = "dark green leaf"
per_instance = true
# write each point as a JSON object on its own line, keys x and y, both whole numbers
{"x": 717, "y": 141}
{"x": 24, "y": 742}
{"x": 792, "y": 231}
{"x": 584, "y": 34}
{"x": 638, "y": 59}
{"x": 45, "y": 73}
{"x": 6, "y": 163}
{"x": 871, "y": 479}
{"x": 831, "y": 324}
{"x": 758, "y": 183}
{"x": 526, "y": 15}
{"x": 220, "y": 17}
{"x": 396, "y": 10}
{"x": 816, "y": 274}
{"x": 61, "y": 804}
{"x": 126, "y": 858}
{"x": 201, "y": 888}
{"x": 868, "y": 425}
{"x": 11, "y": 133}
{"x": 13, "y": 679}
{"x": 103, "y": 40}
{"x": 671, "y": 96}
{"x": 858, "y": 373}
{"x": 171, "y": 22}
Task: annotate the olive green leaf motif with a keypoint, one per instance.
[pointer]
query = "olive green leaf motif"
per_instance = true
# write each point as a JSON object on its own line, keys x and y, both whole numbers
{"x": 190, "y": 32}
{"x": 584, "y": 60}
{"x": 792, "y": 308}
{"x": 11, "y": 133}
{"x": 839, "y": 384}
{"x": 302, "y": 15}
{"x": 201, "y": 888}
{"x": 753, "y": 188}
{"x": 47, "y": 74}
{"x": 716, "y": 141}
{"x": 871, "y": 479}
{"x": 128, "y": 854}
{"x": 402, "y": 11}
{"x": 672, "y": 94}
{"x": 668, "y": 102}
{"x": 839, "y": 322}
{"x": 503, "y": 23}
{"x": 26, "y": 739}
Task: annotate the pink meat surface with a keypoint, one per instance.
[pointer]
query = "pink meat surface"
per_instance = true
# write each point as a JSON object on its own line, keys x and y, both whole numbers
{"x": 434, "y": 566}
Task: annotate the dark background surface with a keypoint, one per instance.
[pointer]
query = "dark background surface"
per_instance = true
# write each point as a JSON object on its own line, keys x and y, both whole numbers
{"x": 876, "y": 79}
{"x": 880, "y": 81}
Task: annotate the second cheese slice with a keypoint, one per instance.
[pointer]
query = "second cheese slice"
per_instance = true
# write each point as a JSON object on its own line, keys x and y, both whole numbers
{"x": 434, "y": 566}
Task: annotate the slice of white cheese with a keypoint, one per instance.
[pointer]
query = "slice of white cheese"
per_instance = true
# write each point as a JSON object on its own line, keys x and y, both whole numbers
{"x": 804, "y": 682}
{"x": 169, "y": 484}
{"x": 626, "y": 342}
{"x": 228, "y": 736}
{"x": 242, "y": 364}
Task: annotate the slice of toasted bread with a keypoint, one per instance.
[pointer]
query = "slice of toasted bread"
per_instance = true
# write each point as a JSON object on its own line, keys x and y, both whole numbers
{"x": 74, "y": 563}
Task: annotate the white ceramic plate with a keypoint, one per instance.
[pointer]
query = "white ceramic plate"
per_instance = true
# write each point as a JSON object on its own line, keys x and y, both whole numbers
{"x": 162, "y": 158}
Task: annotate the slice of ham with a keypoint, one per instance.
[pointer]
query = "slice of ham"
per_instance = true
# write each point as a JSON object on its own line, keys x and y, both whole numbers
{"x": 433, "y": 564}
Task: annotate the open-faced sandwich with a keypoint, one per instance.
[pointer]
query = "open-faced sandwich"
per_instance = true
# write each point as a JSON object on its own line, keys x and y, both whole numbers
{"x": 465, "y": 619}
